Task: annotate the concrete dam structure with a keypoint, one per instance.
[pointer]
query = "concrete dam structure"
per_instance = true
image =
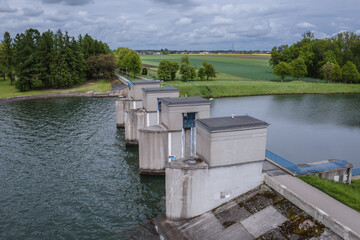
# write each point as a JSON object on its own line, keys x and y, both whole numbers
{"x": 175, "y": 136}
{"x": 229, "y": 157}
{"x": 209, "y": 162}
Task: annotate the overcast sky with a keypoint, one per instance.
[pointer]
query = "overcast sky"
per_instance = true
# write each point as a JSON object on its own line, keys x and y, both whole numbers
{"x": 185, "y": 24}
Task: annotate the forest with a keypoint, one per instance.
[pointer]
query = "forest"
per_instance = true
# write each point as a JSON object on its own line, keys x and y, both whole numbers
{"x": 335, "y": 59}
{"x": 32, "y": 60}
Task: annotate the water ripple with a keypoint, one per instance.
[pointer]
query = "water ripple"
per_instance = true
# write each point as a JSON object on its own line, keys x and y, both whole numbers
{"x": 67, "y": 174}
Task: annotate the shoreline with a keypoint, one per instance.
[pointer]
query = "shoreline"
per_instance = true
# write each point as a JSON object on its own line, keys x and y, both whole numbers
{"x": 103, "y": 95}
{"x": 55, "y": 95}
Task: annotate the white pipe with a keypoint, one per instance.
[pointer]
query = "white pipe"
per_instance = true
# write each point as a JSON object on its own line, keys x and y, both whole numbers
{"x": 183, "y": 143}
{"x": 158, "y": 117}
{"x": 169, "y": 143}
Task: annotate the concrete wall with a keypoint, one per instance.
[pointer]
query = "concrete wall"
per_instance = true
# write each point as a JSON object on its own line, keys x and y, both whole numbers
{"x": 136, "y": 89}
{"x": 122, "y": 105}
{"x": 150, "y": 99}
{"x": 153, "y": 149}
{"x": 119, "y": 105}
{"x": 192, "y": 190}
{"x": 337, "y": 175}
{"x": 135, "y": 104}
{"x": 174, "y": 144}
{"x": 151, "y": 119}
{"x": 171, "y": 115}
{"x": 230, "y": 147}
{"x": 133, "y": 121}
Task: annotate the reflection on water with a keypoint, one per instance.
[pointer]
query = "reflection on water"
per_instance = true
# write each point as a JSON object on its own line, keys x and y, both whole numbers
{"x": 67, "y": 174}
{"x": 304, "y": 128}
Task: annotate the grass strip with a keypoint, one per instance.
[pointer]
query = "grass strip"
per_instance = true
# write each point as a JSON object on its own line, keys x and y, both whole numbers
{"x": 101, "y": 86}
{"x": 345, "y": 193}
{"x": 248, "y": 88}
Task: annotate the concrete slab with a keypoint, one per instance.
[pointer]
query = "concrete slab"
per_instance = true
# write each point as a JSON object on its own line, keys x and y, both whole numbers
{"x": 263, "y": 221}
{"x": 236, "y": 231}
{"x": 338, "y": 211}
{"x": 272, "y": 170}
{"x": 261, "y": 200}
{"x": 231, "y": 215}
{"x": 202, "y": 227}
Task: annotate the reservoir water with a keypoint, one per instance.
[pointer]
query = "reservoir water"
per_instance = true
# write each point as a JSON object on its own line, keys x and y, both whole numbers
{"x": 67, "y": 174}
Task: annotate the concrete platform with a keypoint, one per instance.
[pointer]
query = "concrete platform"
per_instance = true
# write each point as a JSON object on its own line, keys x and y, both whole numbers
{"x": 261, "y": 213}
{"x": 342, "y": 219}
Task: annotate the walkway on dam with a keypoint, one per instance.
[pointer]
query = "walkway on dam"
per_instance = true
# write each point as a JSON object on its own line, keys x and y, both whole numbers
{"x": 327, "y": 205}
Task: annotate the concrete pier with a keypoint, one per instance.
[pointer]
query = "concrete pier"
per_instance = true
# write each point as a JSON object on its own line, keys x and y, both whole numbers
{"x": 230, "y": 155}
{"x": 148, "y": 114}
{"x": 133, "y": 99}
{"x": 151, "y": 102}
{"x": 177, "y": 122}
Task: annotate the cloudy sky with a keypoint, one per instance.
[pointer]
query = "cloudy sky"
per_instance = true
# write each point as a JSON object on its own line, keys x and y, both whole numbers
{"x": 185, "y": 24}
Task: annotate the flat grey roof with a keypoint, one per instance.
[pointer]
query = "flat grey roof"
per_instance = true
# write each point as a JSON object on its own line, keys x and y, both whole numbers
{"x": 145, "y": 82}
{"x": 184, "y": 100}
{"x": 161, "y": 89}
{"x": 225, "y": 123}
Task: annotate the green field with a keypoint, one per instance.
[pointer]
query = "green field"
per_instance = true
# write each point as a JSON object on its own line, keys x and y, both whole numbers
{"x": 230, "y": 67}
{"x": 347, "y": 194}
{"x": 242, "y": 75}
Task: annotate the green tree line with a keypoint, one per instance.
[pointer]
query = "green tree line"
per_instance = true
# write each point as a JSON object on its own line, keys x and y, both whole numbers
{"x": 127, "y": 60}
{"x": 49, "y": 60}
{"x": 335, "y": 59}
{"x": 167, "y": 70}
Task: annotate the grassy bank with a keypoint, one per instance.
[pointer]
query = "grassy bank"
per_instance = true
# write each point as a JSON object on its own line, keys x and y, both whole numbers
{"x": 347, "y": 194}
{"x": 101, "y": 86}
{"x": 244, "y": 88}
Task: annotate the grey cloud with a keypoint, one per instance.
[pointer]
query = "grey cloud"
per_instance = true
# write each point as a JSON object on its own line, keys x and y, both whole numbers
{"x": 69, "y": 2}
{"x": 32, "y": 12}
{"x": 176, "y": 2}
{"x": 5, "y": 8}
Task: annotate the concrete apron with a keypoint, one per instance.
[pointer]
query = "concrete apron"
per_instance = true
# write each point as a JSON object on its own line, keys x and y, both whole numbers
{"x": 341, "y": 219}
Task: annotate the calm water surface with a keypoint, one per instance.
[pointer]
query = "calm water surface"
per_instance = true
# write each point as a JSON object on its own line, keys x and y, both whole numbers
{"x": 67, "y": 174}
{"x": 304, "y": 128}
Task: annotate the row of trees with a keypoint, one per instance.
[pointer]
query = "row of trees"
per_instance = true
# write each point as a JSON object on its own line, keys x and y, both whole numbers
{"x": 334, "y": 59}
{"x": 48, "y": 60}
{"x": 167, "y": 70}
{"x": 127, "y": 60}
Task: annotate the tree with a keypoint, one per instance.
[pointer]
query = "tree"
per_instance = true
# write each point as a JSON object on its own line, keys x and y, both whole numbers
{"x": 326, "y": 70}
{"x": 209, "y": 70}
{"x": 298, "y": 68}
{"x": 132, "y": 62}
{"x": 201, "y": 73}
{"x": 144, "y": 71}
{"x": 120, "y": 53}
{"x": 283, "y": 69}
{"x": 164, "y": 70}
{"x": 350, "y": 73}
{"x": 185, "y": 59}
{"x": 188, "y": 72}
{"x": 174, "y": 67}
{"x": 336, "y": 73}
{"x": 25, "y": 58}
{"x": 8, "y": 56}
{"x": 2, "y": 65}
{"x": 166, "y": 51}
{"x": 102, "y": 65}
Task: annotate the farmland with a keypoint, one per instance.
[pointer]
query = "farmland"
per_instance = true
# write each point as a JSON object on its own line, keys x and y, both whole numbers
{"x": 237, "y": 67}
{"x": 244, "y": 75}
